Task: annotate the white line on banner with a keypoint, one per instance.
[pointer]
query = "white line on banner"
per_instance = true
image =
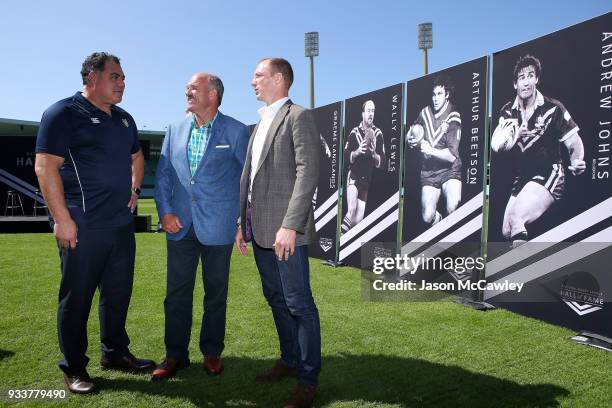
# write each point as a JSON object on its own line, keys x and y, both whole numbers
{"x": 373, "y": 216}
{"x": 326, "y": 218}
{"x": 570, "y": 227}
{"x": 381, "y": 226}
{"x": 582, "y": 310}
{"x": 323, "y": 207}
{"x": 450, "y": 240}
{"x": 446, "y": 223}
{"x": 464, "y": 231}
{"x": 573, "y": 253}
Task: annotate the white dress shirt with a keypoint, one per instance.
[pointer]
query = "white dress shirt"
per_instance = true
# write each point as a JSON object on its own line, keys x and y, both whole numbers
{"x": 267, "y": 114}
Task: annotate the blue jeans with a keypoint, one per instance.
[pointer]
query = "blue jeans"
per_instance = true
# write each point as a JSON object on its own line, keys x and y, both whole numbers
{"x": 286, "y": 286}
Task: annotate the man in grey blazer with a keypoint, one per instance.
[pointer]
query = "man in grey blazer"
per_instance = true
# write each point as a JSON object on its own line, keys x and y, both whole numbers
{"x": 276, "y": 188}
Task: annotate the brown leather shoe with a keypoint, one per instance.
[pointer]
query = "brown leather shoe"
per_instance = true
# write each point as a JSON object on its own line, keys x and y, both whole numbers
{"x": 127, "y": 363}
{"x": 213, "y": 365}
{"x": 303, "y": 396}
{"x": 79, "y": 383}
{"x": 167, "y": 369}
{"x": 279, "y": 371}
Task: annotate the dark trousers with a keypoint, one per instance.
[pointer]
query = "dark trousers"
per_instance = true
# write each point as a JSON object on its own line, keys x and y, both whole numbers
{"x": 286, "y": 286}
{"x": 104, "y": 259}
{"x": 183, "y": 257}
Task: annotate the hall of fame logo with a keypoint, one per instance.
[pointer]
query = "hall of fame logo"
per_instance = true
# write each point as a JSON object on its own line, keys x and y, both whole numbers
{"x": 326, "y": 243}
{"x": 580, "y": 291}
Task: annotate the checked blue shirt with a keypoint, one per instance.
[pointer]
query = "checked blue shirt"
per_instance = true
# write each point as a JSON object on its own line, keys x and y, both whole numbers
{"x": 198, "y": 140}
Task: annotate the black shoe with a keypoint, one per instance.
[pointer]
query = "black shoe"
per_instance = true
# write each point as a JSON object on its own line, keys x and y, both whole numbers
{"x": 127, "y": 363}
{"x": 79, "y": 383}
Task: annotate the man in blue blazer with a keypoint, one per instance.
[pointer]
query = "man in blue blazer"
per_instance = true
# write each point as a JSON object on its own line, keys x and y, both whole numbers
{"x": 197, "y": 196}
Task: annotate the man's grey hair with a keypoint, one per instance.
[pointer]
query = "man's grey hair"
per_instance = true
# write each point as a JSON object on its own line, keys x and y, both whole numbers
{"x": 215, "y": 83}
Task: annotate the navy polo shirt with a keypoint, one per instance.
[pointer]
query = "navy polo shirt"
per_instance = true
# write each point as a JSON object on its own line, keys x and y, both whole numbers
{"x": 97, "y": 151}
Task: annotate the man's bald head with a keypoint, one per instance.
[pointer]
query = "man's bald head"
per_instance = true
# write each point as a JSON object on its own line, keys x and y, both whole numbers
{"x": 367, "y": 113}
{"x": 212, "y": 82}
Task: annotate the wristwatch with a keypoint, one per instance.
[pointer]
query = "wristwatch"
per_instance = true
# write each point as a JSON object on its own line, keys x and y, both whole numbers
{"x": 136, "y": 191}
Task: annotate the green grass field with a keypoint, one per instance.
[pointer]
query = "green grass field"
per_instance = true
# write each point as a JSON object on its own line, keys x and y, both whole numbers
{"x": 375, "y": 354}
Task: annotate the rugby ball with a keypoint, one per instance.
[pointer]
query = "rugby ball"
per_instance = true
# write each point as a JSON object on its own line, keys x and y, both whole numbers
{"x": 370, "y": 139}
{"x": 415, "y": 135}
{"x": 505, "y": 135}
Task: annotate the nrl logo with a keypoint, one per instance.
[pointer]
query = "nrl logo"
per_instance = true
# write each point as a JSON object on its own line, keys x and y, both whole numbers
{"x": 581, "y": 293}
{"x": 325, "y": 244}
{"x": 95, "y": 120}
{"x": 125, "y": 122}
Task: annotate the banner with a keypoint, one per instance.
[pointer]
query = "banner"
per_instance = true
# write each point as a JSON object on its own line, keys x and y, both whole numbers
{"x": 444, "y": 172}
{"x": 17, "y": 174}
{"x": 371, "y": 164}
{"x": 551, "y": 177}
{"x": 325, "y": 200}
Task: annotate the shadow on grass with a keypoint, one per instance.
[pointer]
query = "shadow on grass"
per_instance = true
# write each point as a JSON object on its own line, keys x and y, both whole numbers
{"x": 350, "y": 378}
{"x": 6, "y": 354}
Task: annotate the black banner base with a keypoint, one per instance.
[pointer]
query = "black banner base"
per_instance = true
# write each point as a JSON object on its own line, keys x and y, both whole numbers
{"x": 593, "y": 340}
{"x": 474, "y": 304}
{"x": 333, "y": 263}
{"x": 22, "y": 224}
{"x": 142, "y": 223}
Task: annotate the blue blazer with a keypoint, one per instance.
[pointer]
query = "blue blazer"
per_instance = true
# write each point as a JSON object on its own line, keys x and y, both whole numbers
{"x": 209, "y": 199}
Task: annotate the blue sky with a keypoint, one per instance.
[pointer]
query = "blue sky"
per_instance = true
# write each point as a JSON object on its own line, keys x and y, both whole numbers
{"x": 364, "y": 46}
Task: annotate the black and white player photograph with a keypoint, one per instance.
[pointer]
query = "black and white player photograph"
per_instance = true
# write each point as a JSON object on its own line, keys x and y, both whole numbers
{"x": 436, "y": 134}
{"x": 444, "y": 153}
{"x": 364, "y": 151}
{"x": 371, "y": 163}
{"x": 325, "y": 199}
{"x": 550, "y": 142}
{"x": 533, "y": 128}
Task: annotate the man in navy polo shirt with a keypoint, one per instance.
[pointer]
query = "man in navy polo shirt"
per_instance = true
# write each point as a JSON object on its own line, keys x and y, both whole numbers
{"x": 89, "y": 167}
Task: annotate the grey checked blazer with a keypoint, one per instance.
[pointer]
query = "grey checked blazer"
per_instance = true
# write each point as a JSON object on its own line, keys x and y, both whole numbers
{"x": 286, "y": 177}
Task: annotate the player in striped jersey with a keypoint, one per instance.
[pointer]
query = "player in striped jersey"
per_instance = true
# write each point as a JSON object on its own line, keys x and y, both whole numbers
{"x": 364, "y": 151}
{"x": 533, "y": 127}
{"x": 437, "y": 131}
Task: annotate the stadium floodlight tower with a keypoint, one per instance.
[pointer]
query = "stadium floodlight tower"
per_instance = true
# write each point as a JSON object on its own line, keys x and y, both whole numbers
{"x": 311, "y": 50}
{"x": 425, "y": 40}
